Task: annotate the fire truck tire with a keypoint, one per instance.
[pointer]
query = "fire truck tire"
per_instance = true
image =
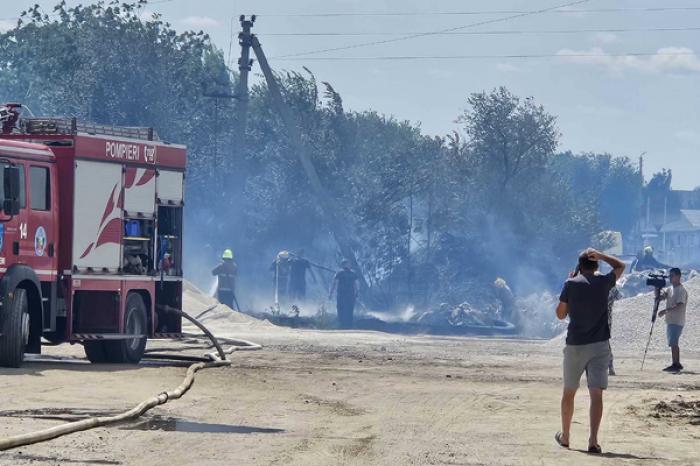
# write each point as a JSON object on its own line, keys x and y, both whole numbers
{"x": 15, "y": 330}
{"x": 95, "y": 351}
{"x": 130, "y": 351}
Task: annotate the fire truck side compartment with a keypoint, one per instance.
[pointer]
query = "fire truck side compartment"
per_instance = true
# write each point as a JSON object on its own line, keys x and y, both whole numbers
{"x": 97, "y": 216}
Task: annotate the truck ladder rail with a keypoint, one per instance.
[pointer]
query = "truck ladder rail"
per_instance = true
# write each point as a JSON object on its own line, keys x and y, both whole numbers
{"x": 72, "y": 126}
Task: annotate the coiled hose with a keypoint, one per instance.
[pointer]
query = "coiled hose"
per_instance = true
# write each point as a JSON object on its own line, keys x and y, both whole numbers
{"x": 214, "y": 359}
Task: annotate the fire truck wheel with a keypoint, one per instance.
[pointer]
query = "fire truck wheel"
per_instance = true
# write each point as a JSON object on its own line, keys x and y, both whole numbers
{"x": 15, "y": 326}
{"x": 130, "y": 351}
{"x": 95, "y": 351}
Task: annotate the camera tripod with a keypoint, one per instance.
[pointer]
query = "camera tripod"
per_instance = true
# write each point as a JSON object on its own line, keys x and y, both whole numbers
{"x": 657, "y": 301}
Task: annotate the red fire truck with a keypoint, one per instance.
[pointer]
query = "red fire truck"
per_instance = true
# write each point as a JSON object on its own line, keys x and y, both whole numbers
{"x": 90, "y": 237}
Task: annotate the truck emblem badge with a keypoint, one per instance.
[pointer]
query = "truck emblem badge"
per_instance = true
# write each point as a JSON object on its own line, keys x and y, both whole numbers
{"x": 149, "y": 154}
{"x": 40, "y": 241}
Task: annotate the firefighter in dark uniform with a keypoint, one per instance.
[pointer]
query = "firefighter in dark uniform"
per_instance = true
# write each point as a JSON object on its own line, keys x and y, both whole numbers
{"x": 280, "y": 276}
{"x": 347, "y": 285}
{"x": 297, "y": 275}
{"x": 226, "y": 272}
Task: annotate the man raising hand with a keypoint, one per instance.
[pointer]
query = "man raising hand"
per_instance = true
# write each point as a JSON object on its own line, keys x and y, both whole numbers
{"x": 584, "y": 299}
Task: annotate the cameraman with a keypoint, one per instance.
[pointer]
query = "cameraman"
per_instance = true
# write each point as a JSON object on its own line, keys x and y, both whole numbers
{"x": 676, "y": 301}
{"x": 584, "y": 299}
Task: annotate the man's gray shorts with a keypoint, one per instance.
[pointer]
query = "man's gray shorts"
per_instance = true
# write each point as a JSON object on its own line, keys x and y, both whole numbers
{"x": 593, "y": 359}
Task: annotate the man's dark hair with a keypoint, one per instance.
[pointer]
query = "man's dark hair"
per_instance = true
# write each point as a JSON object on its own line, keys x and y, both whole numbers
{"x": 585, "y": 264}
{"x": 675, "y": 271}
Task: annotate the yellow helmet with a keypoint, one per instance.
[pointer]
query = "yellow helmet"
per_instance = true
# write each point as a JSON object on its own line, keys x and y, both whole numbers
{"x": 228, "y": 254}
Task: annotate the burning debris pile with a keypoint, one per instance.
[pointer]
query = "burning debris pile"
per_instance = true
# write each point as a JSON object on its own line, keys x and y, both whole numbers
{"x": 461, "y": 316}
{"x": 495, "y": 310}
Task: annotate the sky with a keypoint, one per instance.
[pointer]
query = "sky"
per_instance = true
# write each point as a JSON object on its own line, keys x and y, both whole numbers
{"x": 621, "y": 75}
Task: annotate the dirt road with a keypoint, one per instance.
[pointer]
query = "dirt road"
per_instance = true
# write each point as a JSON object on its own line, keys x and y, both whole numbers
{"x": 325, "y": 398}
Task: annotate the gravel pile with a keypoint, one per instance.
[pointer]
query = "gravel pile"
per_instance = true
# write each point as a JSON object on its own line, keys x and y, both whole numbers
{"x": 195, "y": 301}
{"x": 632, "y": 320}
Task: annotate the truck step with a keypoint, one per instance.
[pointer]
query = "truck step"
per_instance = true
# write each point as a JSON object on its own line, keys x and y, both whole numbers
{"x": 167, "y": 335}
{"x": 105, "y": 336}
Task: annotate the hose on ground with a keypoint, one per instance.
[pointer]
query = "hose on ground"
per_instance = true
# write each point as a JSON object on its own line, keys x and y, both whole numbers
{"x": 91, "y": 423}
{"x": 228, "y": 341}
{"x": 206, "y": 331}
{"x": 214, "y": 359}
{"x": 232, "y": 349}
{"x": 178, "y": 357}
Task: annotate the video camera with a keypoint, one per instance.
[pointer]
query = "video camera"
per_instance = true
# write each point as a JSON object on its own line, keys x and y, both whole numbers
{"x": 657, "y": 280}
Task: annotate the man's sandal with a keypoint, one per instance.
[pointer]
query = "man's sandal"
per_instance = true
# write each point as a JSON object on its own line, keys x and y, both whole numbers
{"x": 557, "y": 438}
{"x": 595, "y": 449}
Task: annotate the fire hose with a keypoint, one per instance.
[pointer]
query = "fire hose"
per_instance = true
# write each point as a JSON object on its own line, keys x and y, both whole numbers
{"x": 214, "y": 359}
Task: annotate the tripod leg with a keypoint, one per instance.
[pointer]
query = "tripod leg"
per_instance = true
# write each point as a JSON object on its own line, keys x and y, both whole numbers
{"x": 647, "y": 347}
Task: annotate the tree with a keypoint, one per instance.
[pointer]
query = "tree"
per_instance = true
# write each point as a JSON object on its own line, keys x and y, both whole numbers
{"x": 613, "y": 185}
{"x": 660, "y": 199}
{"x": 508, "y": 137}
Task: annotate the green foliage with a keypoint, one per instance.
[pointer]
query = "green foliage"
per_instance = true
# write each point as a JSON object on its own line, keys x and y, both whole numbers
{"x": 661, "y": 199}
{"x": 612, "y": 186}
{"x": 509, "y": 138}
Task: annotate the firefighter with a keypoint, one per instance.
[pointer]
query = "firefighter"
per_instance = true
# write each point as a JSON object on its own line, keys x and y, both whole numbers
{"x": 348, "y": 286}
{"x": 280, "y": 275}
{"x": 226, "y": 272}
{"x": 297, "y": 275}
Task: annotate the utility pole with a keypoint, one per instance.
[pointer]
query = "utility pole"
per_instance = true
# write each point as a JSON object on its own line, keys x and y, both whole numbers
{"x": 217, "y": 162}
{"x": 244, "y": 66}
{"x": 327, "y": 203}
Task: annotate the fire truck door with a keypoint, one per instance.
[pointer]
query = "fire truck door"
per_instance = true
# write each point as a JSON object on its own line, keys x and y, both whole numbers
{"x": 12, "y": 231}
{"x": 40, "y": 237}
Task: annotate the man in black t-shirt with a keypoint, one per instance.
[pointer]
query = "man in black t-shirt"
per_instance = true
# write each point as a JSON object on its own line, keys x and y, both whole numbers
{"x": 347, "y": 284}
{"x": 584, "y": 299}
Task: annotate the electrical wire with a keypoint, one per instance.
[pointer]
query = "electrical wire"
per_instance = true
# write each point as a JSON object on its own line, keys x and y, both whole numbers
{"x": 478, "y": 12}
{"x": 414, "y": 36}
{"x": 488, "y": 33}
{"x": 452, "y": 13}
{"x": 476, "y": 57}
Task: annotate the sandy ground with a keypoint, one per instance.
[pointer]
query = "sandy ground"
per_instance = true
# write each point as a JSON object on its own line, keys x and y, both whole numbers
{"x": 326, "y": 398}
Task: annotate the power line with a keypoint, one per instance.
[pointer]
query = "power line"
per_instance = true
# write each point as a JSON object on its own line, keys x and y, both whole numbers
{"x": 447, "y": 13}
{"x": 476, "y": 57}
{"x": 487, "y": 33}
{"x": 414, "y": 36}
{"x": 480, "y": 12}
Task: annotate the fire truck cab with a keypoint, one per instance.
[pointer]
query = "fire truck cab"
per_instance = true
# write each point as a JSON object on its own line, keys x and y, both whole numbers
{"x": 91, "y": 227}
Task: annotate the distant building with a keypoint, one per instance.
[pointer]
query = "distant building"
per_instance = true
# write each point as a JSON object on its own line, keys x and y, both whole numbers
{"x": 680, "y": 238}
{"x": 687, "y": 199}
